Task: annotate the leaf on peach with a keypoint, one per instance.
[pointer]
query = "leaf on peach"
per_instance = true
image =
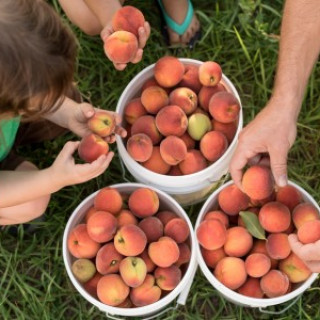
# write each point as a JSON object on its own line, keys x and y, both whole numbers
{"x": 252, "y": 224}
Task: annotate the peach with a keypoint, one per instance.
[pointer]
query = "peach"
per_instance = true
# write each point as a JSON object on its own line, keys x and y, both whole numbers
{"x": 224, "y": 107}
{"x": 277, "y": 246}
{"x": 133, "y": 271}
{"x": 134, "y": 109}
{"x": 152, "y": 227}
{"x": 211, "y": 234}
{"x": 165, "y": 216}
{"x": 185, "y": 98}
{"x": 228, "y": 129}
{"x": 260, "y": 203}
{"x": 212, "y": 257}
{"x": 126, "y": 217}
{"x": 210, "y": 73}
{"x": 154, "y": 99}
{"x": 143, "y": 202}
{"x": 232, "y": 200}
{"x": 171, "y": 120}
{"x": 155, "y": 163}
{"x": 128, "y": 18}
{"x": 304, "y": 212}
{"x": 91, "y": 147}
{"x": 147, "y": 124}
{"x": 289, "y": 196}
{"x": 177, "y": 229}
{"x": 149, "y": 83}
{"x": 167, "y": 278}
{"x": 294, "y": 268}
{"x": 274, "y": 284}
{"x": 219, "y": 215}
{"x": 130, "y": 240}
{"x": 309, "y": 232}
{"x": 102, "y": 226}
{"x": 257, "y": 264}
{"x": 121, "y": 46}
{"x": 164, "y": 252}
{"x": 198, "y": 125}
{"x": 189, "y": 142}
{"x": 238, "y": 242}
{"x": 83, "y": 269}
{"x": 200, "y": 110}
{"x": 112, "y": 290}
{"x": 139, "y": 147}
{"x": 274, "y": 217}
{"x": 147, "y": 293}
{"x": 102, "y": 123}
{"x": 127, "y": 303}
{"x": 80, "y": 244}
{"x": 184, "y": 254}
{"x": 149, "y": 263}
{"x": 108, "y": 259}
{"x": 108, "y": 199}
{"x": 168, "y": 71}
{"x": 173, "y": 150}
{"x": 175, "y": 171}
{"x": 251, "y": 288}
{"x": 91, "y": 285}
{"x": 193, "y": 162}
{"x": 231, "y": 272}
{"x": 213, "y": 145}
{"x": 259, "y": 246}
{"x": 190, "y": 78}
{"x": 89, "y": 213}
{"x": 206, "y": 93}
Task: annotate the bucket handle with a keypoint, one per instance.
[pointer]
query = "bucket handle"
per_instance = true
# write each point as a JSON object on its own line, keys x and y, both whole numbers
{"x": 264, "y": 310}
{"x": 123, "y": 171}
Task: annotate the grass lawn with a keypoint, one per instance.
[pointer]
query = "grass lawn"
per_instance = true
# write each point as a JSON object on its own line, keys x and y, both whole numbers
{"x": 243, "y": 37}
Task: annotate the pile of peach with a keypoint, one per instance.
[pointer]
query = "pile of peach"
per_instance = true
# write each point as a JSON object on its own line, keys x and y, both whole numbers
{"x": 258, "y": 265}
{"x": 183, "y": 120}
{"x": 128, "y": 252}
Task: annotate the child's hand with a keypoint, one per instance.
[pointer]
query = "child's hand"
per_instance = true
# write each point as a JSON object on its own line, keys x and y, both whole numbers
{"x": 144, "y": 33}
{"x": 309, "y": 253}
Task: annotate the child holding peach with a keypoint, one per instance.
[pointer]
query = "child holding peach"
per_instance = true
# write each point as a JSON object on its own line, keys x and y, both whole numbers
{"x": 37, "y": 85}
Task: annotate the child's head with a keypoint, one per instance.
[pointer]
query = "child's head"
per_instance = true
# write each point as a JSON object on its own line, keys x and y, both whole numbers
{"x": 37, "y": 57}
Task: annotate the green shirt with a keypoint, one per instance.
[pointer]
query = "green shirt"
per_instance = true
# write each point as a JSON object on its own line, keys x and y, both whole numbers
{"x": 8, "y": 131}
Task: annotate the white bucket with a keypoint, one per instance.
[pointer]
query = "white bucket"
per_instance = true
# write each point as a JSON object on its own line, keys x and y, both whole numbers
{"x": 186, "y": 189}
{"x": 154, "y": 309}
{"x": 237, "y": 298}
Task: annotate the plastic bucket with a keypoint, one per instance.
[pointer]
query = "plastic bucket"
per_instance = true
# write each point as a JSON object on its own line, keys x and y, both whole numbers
{"x": 152, "y": 310}
{"x": 237, "y": 298}
{"x": 186, "y": 189}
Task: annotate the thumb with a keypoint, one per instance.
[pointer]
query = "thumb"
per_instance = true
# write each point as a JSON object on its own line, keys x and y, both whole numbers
{"x": 69, "y": 148}
{"x": 87, "y": 110}
{"x": 295, "y": 244}
{"x": 278, "y": 164}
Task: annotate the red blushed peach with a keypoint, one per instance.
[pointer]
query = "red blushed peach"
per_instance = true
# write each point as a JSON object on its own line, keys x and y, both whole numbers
{"x": 108, "y": 259}
{"x": 238, "y": 242}
{"x": 108, "y": 199}
{"x": 89, "y": 213}
{"x": 274, "y": 284}
{"x": 278, "y": 246}
{"x": 185, "y": 254}
{"x": 147, "y": 125}
{"x": 149, "y": 83}
{"x": 231, "y": 272}
{"x": 91, "y": 285}
{"x": 232, "y": 200}
{"x": 200, "y": 110}
{"x": 210, "y": 73}
{"x": 228, "y": 129}
{"x": 168, "y": 71}
{"x": 309, "y": 232}
{"x": 102, "y": 226}
{"x": 133, "y": 271}
{"x": 164, "y": 252}
{"x": 177, "y": 229}
{"x": 112, "y": 290}
{"x": 80, "y": 243}
{"x": 134, "y": 110}
{"x": 257, "y": 264}
{"x": 91, "y": 147}
{"x": 126, "y": 217}
{"x": 143, "y": 202}
{"x": 171, "y": 120}
{"x": 102, "y": 123}
{"x": 173, "y": 150}
{"x": 147, "y": 293}
{"x": 257, "y": 182}
{"x": 154, "y": 98}
{"x": 140, "y": 147}
{"x": 128, "y": 18}
{"x": 294, "y": 268}
{"x": 193, "y": 162}
{"x": 130, "y": 240}
{"x": 211, "y": 234}
{"x": 175, "y": 171}
{"x": 152, "y": 227}
{"x": 121, "y": 46}
{"x": 219, "y": 215}
{"x": 274, "y": 217}
{"x": 189, "y": 142}
{"x": 185, "y": 98}
{"x": 206, "y": 93}
{"x": 190, "y": 78}
{"x": 212, "y": 257}
{"x": 251, "y": 288}
{"x": 224, "y": 107}
{"x": 304, "y": 212}
{"x": 213, "y": 145}
{"x": 149, "y": 263}
{"x": 127, "y": 303}
{"x": 262, "y": 202}
{"x": 155, "y": 163}
{"x": 165, "y": 216}
{"x": 289, "y": 196}
{"x": 167, "y": 278}
{"x": 259, "y": 246}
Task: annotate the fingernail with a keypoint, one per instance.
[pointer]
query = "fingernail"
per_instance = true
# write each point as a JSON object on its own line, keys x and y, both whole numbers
{"x": 282, "y": 181}
{"x": 90, "y": 113}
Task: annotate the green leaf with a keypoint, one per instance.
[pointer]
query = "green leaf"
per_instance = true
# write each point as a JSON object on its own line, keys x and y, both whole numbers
{"x": 252, "y": 224}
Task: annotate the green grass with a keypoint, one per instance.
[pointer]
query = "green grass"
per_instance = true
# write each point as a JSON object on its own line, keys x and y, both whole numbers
{"x": 243, "y": 37}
